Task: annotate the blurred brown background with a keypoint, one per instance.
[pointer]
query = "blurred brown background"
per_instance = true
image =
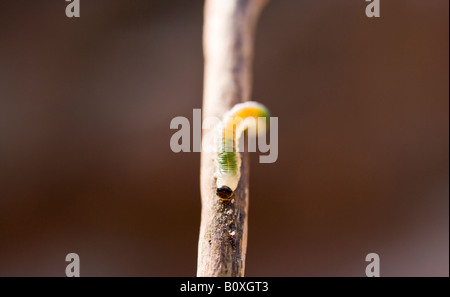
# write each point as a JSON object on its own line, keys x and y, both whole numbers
{"x": 86, "y": 166}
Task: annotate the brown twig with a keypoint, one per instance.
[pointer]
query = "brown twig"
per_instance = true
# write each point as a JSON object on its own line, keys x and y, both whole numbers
{"x": 228, "y": 49}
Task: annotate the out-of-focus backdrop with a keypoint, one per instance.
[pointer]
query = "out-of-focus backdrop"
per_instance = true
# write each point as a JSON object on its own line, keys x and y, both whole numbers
{"x": 86, "y": 165}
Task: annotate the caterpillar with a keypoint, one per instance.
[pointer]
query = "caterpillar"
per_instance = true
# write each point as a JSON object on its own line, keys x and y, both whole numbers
{"x": 228, "y": 159}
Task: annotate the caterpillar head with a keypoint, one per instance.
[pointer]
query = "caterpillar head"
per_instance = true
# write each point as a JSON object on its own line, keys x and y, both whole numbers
{"x": 224, "y": 192}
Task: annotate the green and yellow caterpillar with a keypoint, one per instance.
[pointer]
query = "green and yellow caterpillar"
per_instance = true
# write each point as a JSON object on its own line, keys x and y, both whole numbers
{"x": 228, "y": 159}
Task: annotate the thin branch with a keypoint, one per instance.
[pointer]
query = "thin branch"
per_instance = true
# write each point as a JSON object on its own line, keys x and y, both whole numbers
{"x": 228, "y": 49}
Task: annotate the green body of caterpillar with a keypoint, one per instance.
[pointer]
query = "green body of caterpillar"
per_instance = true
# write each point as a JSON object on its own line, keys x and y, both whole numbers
{"x": 228, "y": 160}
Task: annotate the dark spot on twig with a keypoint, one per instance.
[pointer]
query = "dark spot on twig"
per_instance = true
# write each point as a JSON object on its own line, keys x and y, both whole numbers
{"x": 232, "y": 241}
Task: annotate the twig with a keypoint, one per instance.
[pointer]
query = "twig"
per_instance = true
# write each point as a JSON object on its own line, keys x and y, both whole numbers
{"x": 228, "y": 49}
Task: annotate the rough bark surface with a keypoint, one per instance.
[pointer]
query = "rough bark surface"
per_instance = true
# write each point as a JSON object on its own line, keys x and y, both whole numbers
{"x": 228, "y": 49}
